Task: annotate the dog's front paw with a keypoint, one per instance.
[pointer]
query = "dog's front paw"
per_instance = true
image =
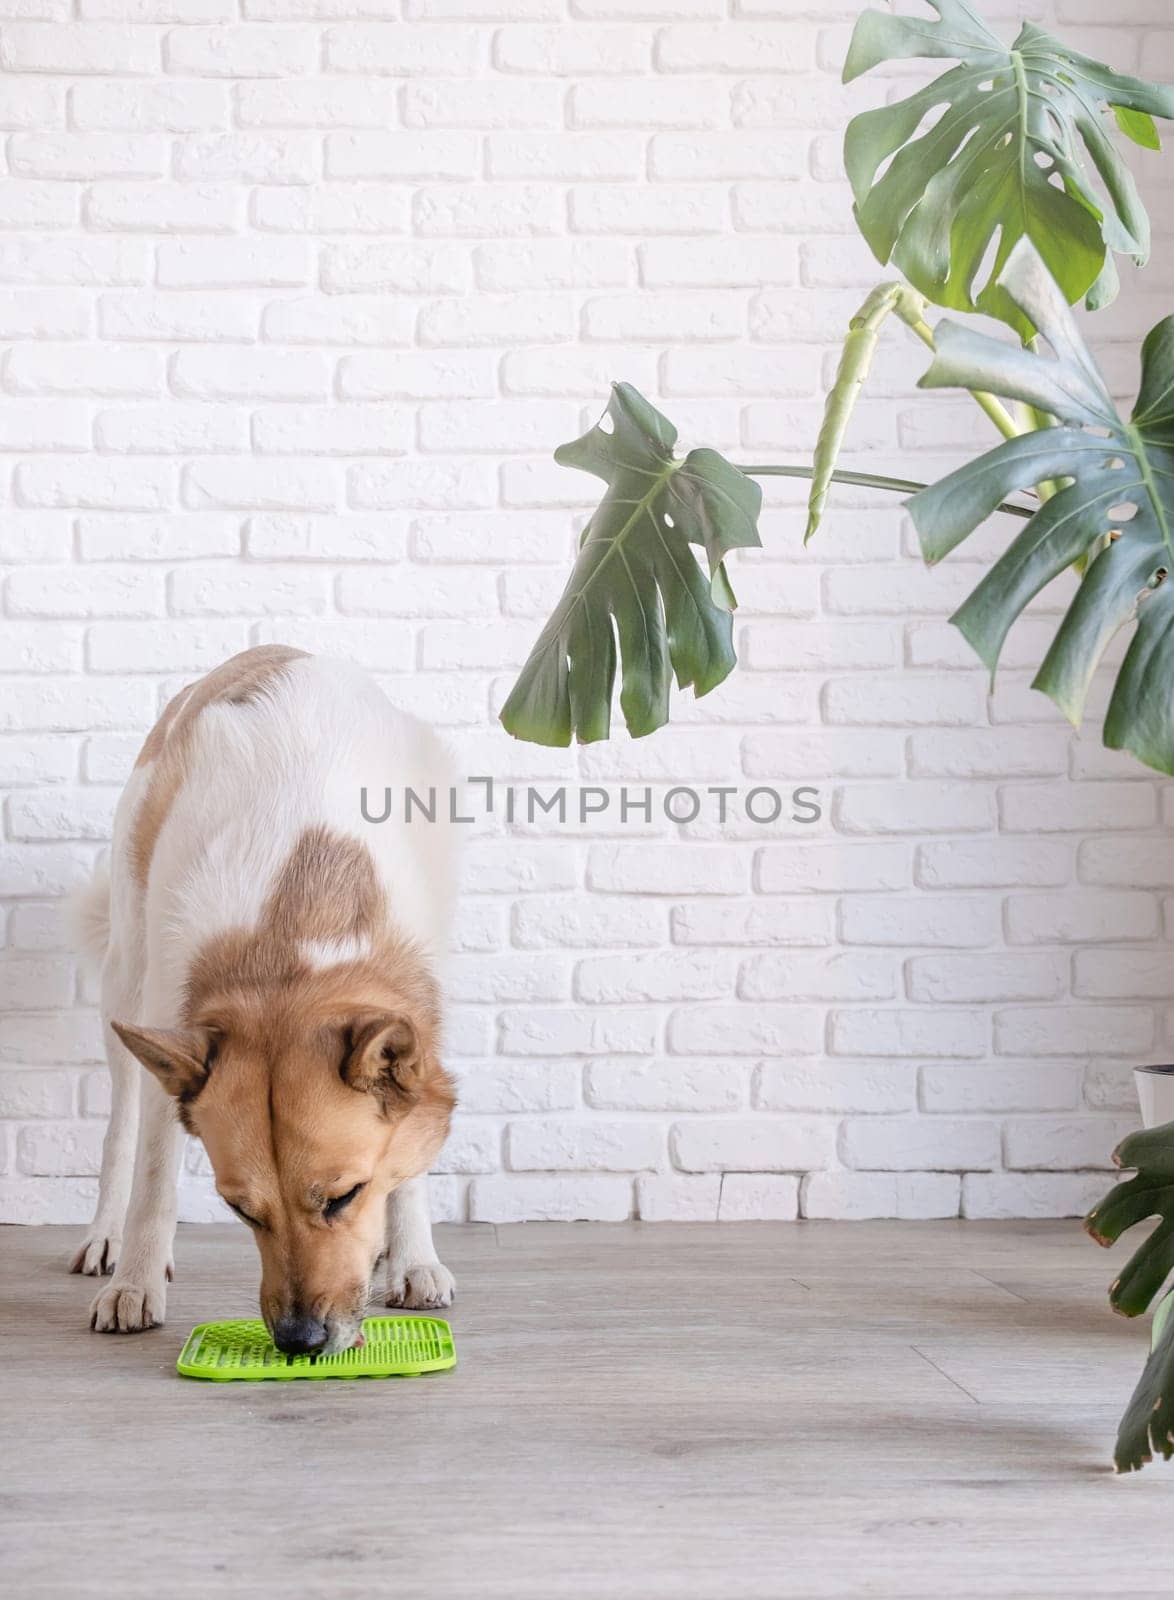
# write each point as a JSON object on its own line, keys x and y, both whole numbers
{"x": 129, "y": 1306}
{"x": 420, "y": 1287}
{"x": 97, "y": 1254}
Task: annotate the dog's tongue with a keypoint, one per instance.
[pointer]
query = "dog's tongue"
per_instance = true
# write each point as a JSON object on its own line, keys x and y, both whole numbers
{"x": 359, "y": 1342}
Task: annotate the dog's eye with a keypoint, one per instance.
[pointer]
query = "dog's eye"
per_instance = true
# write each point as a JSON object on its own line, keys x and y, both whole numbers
{"x": 341, "y": 1201}
{"x": 243, "y": 1214}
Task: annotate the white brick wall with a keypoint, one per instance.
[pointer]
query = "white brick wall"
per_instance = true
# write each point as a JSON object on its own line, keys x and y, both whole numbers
{"x": 296, "y": 298}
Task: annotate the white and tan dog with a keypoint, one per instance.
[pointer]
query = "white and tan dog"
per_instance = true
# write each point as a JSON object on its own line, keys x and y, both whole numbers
{"x": 270, "y": 959}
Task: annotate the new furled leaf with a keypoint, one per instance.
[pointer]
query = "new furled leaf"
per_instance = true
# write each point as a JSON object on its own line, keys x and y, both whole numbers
{"x": 1148, "y": 1423}
{"x": 1113, "y": 508}
{"x": 996, "y": 150}
{"x": 854, "y": 365}
{"x": 637, "y": 588}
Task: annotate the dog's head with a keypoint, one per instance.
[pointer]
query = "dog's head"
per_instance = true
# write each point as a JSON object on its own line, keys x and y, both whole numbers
{"x": 312, "y": 1109}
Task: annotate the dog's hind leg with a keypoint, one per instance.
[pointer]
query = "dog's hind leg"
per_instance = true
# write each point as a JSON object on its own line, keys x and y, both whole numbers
{"x": 416, "y": 1276}
{"x": 99, "y": 1250}
{"x": 122, "y": 976}
{"x": 136, "y": 1297}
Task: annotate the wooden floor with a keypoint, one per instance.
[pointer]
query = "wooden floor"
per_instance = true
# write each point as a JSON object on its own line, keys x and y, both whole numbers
{"x": 746, "y": 1411}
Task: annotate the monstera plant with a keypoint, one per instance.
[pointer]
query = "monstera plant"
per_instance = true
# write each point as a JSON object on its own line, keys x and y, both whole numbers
{"x": 998, "y": 188}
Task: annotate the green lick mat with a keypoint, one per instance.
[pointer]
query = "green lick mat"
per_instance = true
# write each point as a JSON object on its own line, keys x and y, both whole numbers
{"x": 396, "y": 1347}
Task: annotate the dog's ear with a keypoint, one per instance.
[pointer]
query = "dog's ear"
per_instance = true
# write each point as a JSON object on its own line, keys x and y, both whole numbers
{"x": 382, "y": 1055}
{"x": 179, "y": 1057}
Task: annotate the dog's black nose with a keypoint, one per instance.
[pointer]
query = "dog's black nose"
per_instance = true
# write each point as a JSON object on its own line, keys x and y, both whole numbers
{"x": 299, "y": 1335}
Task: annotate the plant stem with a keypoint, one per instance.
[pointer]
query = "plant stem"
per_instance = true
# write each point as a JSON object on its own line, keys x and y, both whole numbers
{"x": 867, "y": 480}
{"x": 995, "y": 409}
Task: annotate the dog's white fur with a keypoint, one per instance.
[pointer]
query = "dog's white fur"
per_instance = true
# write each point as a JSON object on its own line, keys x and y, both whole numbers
{"x": 257, "y": 775}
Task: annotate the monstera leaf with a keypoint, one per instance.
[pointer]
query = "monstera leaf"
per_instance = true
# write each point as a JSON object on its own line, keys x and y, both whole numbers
{"x": 1148, "y": 1423}
{"x": 1006, "y": 159}
{"x": 637, "y": 586}
{"x": 1113, "y": 509}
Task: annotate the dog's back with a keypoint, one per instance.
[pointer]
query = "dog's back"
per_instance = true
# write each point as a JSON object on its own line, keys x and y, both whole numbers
{"x": 245, "y": 763}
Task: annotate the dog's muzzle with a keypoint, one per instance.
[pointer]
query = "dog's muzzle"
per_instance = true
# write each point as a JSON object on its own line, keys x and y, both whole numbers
{"x": 299, "y": 1334}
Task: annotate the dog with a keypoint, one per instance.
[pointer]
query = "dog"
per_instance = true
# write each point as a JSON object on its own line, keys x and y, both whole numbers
{"x": 271, "y": 959}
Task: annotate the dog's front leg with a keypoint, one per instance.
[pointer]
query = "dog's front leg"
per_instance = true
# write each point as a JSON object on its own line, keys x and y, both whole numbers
{"x": 136, "y": 1296}
{"x": 416, "y": 1276}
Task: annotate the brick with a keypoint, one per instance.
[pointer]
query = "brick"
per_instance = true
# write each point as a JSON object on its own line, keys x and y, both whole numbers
{"x": 1123, "y": 863}
{"x": 357, "y": 319}
{"x": 512, "y": 976}
{"x": 399, "y": 155}
{"x": 540, "y": 1032}
{"x": 261, "y": 486}
{"x": 758, "y": 1197}
{"x": 1121, "y": 974}
{"x": 562, "y": 156}
{"x": 43, "y": 314}
{"x": 157, "y": 538}
{"x": 240, "y": 51}
{"x": 178, "y": 318}
{"x": 755, "y": 1144}
{"x": 757, "y": 47}
{"x": 272, "y": 536}
{"x": 585, "y": 1144}
{"x": 573, "y": 922}
{"x": 129, "y": 106}
{"x": 161, "y": 647}
{"x": 1061, "y": 1144}
{"x": 36, "y": 1094}
{"x": 925, "y": 919}
{"x": 832, "y": 867}
{"x": 1032, "y": 808}
{"x": 38, "y": 980}
{"x": 785, "y": 1030}
{"x": 66, "y": 592}
{"x": 904, "y": 1144}
{"x": 230, "y": 264}
{"x": 816, "y": 975}
{"x": 992, "y": 863}
{"x": 59, "y": 1149}
{"x": 992, "y": 976}
{"x": 406, "y": 268}
{"x": 825, "y": 1085}
{"x": 995, "y": 1196}
{"x": 248, "y": 158}
{"x": 87, "y": 264}
{"x": 1000, "y": 1086}
{"x": 372, "y": 48}
{"x": 86, "y": 156}
{"x": 97, "y": 48}
{"x": 865, "y": 1032}
{"x": 664, "y": 869}
{"x": 518, "y": 1086}
{"x": 588, "y": 1197}
{"x": 210, "y": 591}
{"x": 72, "y": 369}
{"x": 788, "y": 922}
{"x": 668, "y": 1197}
{"x": 1083, "y": 916}
{"x": 62, "y": 814}
{"x": 676, "y": 975}
{"x": 862, "y": 1196}
{"x": 649, "y": 102}
{"x": 172, "y": 430}
{"x": 675, "y": 1084}
{"x": 1074, "y": 1031}
{"x": 332, "y": 430}
{"x": 472, "y": 1146}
